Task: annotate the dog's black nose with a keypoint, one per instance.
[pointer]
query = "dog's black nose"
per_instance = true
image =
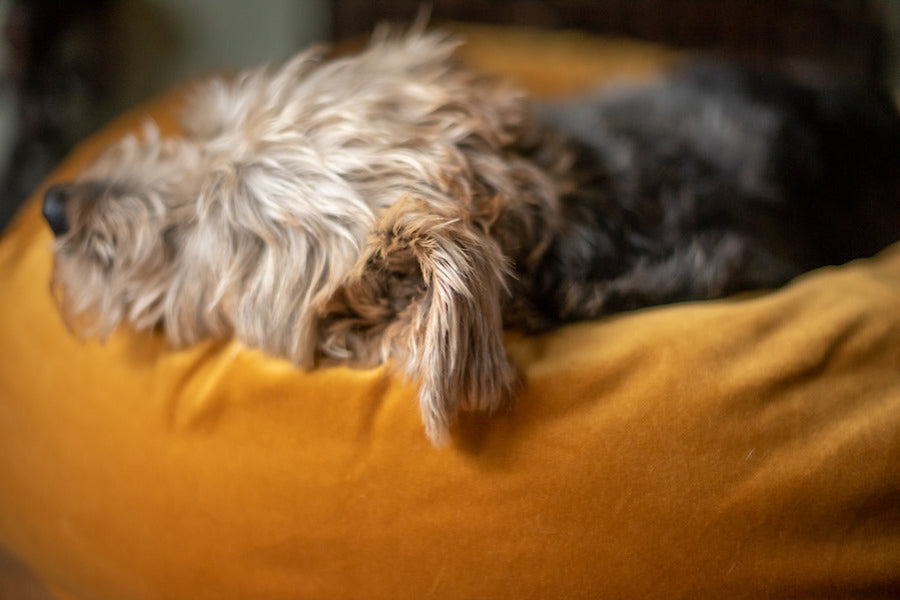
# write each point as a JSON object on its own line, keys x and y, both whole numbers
{"x": 54, "y": 209}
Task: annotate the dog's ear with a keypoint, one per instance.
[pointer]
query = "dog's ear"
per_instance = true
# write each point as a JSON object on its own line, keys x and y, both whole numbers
{"x": 427, "y": 293}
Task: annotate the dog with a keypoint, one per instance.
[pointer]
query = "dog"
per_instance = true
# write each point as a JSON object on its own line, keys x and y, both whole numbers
{"x": 396, "y": 205}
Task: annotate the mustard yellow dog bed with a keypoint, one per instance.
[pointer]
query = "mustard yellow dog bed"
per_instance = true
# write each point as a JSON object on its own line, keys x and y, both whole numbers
{"x": 743, "y": 448}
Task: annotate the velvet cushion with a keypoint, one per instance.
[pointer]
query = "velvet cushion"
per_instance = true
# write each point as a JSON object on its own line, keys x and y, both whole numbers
{"x": 742, "y": 448}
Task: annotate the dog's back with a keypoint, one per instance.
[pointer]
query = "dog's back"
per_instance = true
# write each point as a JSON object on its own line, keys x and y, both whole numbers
{"x": 718, "y": 179}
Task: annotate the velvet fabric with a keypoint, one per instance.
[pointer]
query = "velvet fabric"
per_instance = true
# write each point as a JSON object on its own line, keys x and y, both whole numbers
{"x": 743, "y": 448}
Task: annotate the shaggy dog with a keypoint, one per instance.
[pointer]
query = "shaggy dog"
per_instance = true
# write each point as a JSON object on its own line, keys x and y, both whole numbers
{"x": 396, "y": 205}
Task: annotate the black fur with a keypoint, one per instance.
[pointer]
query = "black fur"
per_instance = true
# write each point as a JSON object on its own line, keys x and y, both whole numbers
{"x": 714, "y": 181}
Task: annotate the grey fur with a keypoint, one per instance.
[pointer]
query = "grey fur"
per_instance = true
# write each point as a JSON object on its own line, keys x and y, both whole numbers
{"x": 716, "y": 180}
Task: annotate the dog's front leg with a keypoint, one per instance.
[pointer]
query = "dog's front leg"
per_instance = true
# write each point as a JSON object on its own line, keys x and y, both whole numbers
{"x": 426, "y": 293}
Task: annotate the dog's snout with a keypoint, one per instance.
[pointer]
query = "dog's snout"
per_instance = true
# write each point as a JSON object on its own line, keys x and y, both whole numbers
{"x": 54, "y": 209}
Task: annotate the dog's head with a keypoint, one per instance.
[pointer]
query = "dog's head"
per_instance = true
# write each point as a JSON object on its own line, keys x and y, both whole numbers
{"x": 204, "y": 242}
{"x": 232, "y": 229}
{"x": 119, "y": 230}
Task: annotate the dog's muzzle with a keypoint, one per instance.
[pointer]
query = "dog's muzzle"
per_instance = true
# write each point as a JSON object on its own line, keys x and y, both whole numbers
{"x": 54, "y": 209}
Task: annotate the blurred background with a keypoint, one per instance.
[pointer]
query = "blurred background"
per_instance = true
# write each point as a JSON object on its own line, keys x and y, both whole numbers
{"x": 68, "y": 66}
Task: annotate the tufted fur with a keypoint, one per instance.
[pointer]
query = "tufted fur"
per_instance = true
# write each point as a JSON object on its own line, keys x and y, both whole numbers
{"x": 396, "y": 205}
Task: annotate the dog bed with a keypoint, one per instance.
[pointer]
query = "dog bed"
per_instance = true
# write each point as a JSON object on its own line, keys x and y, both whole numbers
{"x": 742, "y": 448}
